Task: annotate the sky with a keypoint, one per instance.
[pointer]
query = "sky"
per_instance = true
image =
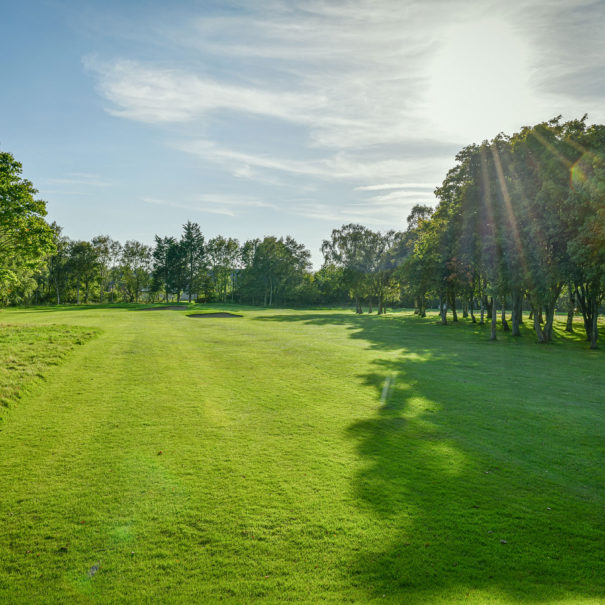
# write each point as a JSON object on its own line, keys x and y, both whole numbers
{"x": 276, "y": 117}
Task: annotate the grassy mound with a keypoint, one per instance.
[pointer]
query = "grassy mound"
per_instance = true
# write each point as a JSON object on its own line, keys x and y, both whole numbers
{"x": 27, "y": 352}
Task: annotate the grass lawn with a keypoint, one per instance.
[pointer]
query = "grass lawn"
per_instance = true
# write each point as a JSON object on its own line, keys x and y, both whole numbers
{"x": 298, "y": 456}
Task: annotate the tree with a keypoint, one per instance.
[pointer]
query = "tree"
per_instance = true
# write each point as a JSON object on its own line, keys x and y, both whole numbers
{"x": 83, "y": 266}
{"x": 108, "y": 252}
{"x": 586, "y": 212}
{"x": 330, "y": 283}
{"x": 136, "y": 263}
{"x": 57, "y": 263}
{"x": 162, "y": 257}
{"x": 222, "y": 255}
{"x": 192, "y": 244}
{"x": 274, "y": 269}
{"x": 382, "y": 263}
{"x": 350, "y": 248}
{"x": 26, "y": 239}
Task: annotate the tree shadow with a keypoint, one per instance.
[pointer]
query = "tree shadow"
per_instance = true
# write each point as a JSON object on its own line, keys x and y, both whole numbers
{"x": 75, "y": 307}
{"x": 482, "y": 468}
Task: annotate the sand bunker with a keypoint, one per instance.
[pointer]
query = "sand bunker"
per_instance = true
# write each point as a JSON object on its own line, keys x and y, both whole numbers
{"x": 169, "y": 308}
{"x": 203, "y": 315}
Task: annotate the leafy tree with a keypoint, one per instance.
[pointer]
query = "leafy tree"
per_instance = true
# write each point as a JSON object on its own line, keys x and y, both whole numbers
{"x": 222, "y": 256}
{"x": 330, "y": 283}
{"x": 26, "y": 239}
{"x": 83, "y": 266}
{"x": 58, "y": 263}
{"x": 586, "y": 244}
{"x": 162, "y": 258}
{"x": 274, "y": 269}
{"x": 108, "y": 252}
{"x": 136, "y": 265}
{"x": 192, "y": 247}
{"x": 350, "y": 248}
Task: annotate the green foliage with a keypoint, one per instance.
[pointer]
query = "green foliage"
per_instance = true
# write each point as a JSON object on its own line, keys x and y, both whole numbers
{"x": 25, "y": 237}
{"x": 519, "y": 216}
{"x": 223, "y": 255}
{"x": 331, "y": 285}
{"x": 192, "y": 247}
{"x": 135, "y": 266}
{"x": 273, "y": 271}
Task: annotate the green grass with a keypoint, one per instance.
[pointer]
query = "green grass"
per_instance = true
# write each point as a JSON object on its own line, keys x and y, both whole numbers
{"x": 253, "y": 460}
{"x": 28, "y": 352}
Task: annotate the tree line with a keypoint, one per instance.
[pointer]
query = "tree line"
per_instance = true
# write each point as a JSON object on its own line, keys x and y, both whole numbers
{"x": 520, "y": 219}
{"x": 519, "y": 225}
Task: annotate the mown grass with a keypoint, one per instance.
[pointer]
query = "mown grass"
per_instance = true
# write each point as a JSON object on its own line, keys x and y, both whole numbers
{"x": 261, "y": 459}
{"x": 27, "y": 353}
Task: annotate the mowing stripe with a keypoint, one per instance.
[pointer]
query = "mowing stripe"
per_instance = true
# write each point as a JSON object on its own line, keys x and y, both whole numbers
{"x": 386, "y": 388}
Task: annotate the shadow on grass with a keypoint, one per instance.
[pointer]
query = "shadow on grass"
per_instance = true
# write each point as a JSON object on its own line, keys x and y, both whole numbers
{"x": 133, "y": 307}
{"x": 75, "y": 307}
{"x": 482, "y": 467}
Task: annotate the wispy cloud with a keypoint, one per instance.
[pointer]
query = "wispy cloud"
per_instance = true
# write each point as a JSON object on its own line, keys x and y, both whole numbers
{"x": 384, "y": 186}
{"x": 380, "y": 217}
{"x": 342, "y": 166}
{"x": 80, "y": 178}
{"x": 372, "y": 96}
{"x": 218, "y": 203}
{"x": 151, "y": 94}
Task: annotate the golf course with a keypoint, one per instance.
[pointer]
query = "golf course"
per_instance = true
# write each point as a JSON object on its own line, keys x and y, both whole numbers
{"x": 285, "y": 455}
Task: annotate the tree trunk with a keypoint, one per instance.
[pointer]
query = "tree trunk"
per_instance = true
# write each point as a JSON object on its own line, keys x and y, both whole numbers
{"x": 538, "y": 327}
{"x": 471, "y": 306}
{"x": 505, "y": 325}
{"x": 494, "y": 319}
{"x": 585, "y": 307}
{"x": 570, "y": 310}
{"x": 516, "y": 312}
{"x": 550, "y": 318}
{"x": 370, "y": 305}
{"x": 453, "y": 305}
{"x": 594, "y": 332}
{"x": 443, "y": 309}
{"x": 488, "y": 305}
{"x": 482, "y": 321}
{"x": 465, "y": 309}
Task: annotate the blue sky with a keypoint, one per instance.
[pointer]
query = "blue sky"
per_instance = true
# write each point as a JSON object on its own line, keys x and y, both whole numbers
{"x": 258, "y": 118}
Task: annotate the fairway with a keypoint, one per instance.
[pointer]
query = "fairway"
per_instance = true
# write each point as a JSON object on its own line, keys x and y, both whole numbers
{"x": 305, "y": 457}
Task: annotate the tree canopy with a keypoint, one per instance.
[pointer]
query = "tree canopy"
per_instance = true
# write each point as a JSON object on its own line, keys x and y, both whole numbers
{"x": 26, "y": 239}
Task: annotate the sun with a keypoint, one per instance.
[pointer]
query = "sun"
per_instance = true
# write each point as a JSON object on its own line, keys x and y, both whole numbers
{"x": 480, "y": 81}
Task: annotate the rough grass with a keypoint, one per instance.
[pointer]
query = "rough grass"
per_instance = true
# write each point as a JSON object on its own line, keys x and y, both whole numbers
{"x": 27, "y": 353}
{"x": 263, "y": 460}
